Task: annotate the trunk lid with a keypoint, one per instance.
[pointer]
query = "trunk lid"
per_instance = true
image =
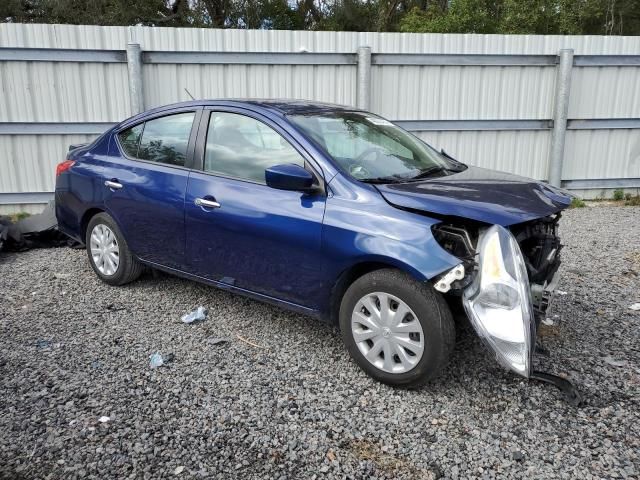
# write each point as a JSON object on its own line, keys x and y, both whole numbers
{"x": 479, "y": 194}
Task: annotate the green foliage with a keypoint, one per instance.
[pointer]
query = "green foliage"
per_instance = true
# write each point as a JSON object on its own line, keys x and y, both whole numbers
{"x": 468, "y": 16}
{"x": 593, "y": 17}
{"x": 618, "y": 194}
{"x": 16, "y": 217}
{"x": 577, "y": 203}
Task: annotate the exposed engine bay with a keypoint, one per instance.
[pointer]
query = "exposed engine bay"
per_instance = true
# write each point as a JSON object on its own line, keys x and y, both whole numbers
{"x": 540, "y": 246}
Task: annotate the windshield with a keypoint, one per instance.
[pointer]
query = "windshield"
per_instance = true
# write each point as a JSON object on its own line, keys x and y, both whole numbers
{"x": 373, "y": 149}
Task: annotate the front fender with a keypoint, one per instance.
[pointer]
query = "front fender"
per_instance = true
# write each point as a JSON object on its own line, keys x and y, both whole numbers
{"x": 364, "y": 228}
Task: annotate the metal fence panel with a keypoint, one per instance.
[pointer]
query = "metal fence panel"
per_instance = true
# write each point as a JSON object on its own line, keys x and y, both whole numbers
{"x": 167, "y": 83}
{"x": 28, "y": 162}
{"x": 94, "y": 94}
{"x": 496, "y": 149}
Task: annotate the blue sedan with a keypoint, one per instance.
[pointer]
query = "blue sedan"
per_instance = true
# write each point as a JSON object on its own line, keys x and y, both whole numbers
{"x": 327, "y": 210}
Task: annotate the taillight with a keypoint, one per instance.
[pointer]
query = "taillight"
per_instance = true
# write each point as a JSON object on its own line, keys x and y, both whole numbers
{"x": 64, "y": 166}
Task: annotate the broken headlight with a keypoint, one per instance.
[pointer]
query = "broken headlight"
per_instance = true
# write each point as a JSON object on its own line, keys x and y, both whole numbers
{"x": 498, "y": 301}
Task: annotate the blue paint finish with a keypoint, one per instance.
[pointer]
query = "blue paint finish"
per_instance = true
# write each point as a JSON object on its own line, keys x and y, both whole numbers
{"x": 149, "y": 209}
{"x": 78, "y": 189}
{"x": 282, "y": 246}
{"x": 260, "y": 239}
{"x": 479, "y": 194}
{"x": 359, "y": 226}
{"x": 288, "y": 177}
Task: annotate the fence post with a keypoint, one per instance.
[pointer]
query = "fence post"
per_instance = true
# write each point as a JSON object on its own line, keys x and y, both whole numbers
{"x": 134, "y": 63}
{"x": 560, "y": 111}
{"x": 363, "y": 88}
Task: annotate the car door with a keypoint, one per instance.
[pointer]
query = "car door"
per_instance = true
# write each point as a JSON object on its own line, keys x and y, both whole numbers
{"x": 241, "y": 232}
{"x": 145, "y": 180}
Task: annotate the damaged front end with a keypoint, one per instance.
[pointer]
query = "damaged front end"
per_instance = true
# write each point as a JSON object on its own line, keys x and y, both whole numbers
{"x": 507, "y": 283}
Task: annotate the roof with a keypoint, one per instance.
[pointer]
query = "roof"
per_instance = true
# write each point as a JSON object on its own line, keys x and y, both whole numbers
{"x": 287, "y": 107}
{"x": 278, "y": 106}
{"x": 283, "y": 106}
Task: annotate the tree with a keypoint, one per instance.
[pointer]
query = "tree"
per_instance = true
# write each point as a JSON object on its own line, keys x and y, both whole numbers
{"x": 594, "y": 17}
{"x": 462, "y": 16}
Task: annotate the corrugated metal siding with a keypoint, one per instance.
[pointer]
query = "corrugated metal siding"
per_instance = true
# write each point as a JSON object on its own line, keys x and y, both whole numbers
{"x": 95, "y": 92}
{"x": 453, "y": 92}
{"x": 496, "y": 149}
{"x": 166, "y": 83}
{"x": 63, "y": 92}
{"x": 28, "y": 162}
{"x": 602, "y": 154}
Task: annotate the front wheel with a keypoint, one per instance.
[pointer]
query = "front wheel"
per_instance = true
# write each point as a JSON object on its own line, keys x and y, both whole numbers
{"x": 398, "y": 330}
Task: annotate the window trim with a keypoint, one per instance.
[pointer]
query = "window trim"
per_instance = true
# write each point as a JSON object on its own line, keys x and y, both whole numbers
{"x": 201, "y": 143}
{"x": 189, "y": 158}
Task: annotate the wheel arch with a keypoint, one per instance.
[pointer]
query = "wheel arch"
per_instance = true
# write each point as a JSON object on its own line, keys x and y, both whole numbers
{"x": 357, "y": 270}
{"x": 86, "y": 218}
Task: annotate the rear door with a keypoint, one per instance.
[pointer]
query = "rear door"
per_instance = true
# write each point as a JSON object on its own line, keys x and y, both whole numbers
{"x": 252, "y": 236}
{"x": 145, "y": 180}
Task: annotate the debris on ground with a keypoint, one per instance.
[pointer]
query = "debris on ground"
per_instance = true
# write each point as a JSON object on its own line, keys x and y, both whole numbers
{"x": 277, "y": 412}
{"x": 217, "y": 340}
{"x": 34, "y": 231}
{"x": 157, "y": 360}
{"x": 198, "y": 314}
{"x": 635, "y": 306}
{"x": 249, "y": 342}
{"x": 561, "y": 292}
{"x": 104, "y": 419}
{"x": 614, "y": 362}
{"x": 178, "y": 470}
{"x": 43, "y": 344}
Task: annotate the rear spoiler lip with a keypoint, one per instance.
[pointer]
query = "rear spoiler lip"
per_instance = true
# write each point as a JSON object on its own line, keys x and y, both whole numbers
{"x": 75, "y": 146}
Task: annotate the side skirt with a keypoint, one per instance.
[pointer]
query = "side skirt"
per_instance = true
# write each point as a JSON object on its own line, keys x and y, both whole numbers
{"x": 242, "y": 291}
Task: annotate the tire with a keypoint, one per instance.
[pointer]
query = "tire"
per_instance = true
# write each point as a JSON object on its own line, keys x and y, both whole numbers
{"x": 128, "y": 268}
{"x": 426, "y": 306}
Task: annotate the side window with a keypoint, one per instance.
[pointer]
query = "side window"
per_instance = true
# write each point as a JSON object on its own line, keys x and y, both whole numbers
{"x": 165, "y": 139}
{"x": 130, "y": 138}
{"x": 243, "y": 147}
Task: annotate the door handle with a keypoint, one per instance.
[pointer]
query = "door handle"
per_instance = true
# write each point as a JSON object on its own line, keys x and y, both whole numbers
{"x": 113, "y": 185}
{"x": 203, "y": 202}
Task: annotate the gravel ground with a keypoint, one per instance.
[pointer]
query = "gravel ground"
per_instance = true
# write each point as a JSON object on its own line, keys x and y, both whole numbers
{"x": 294, "y": 405}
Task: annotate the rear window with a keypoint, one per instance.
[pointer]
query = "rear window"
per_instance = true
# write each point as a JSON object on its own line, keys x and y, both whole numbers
{"x": 162, "y": 140}
{"x": 130, "y": 139}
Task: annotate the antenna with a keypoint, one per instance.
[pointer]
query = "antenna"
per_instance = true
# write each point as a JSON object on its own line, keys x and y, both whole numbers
{"x": 189, "y": 94}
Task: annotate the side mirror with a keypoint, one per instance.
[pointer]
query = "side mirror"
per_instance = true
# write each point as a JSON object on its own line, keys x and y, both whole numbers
{"x": 289, "y": 177}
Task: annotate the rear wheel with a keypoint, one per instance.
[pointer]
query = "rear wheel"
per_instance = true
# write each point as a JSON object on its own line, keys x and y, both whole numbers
{"x": 109, "y": 253}
{"x": 398, "y": 330}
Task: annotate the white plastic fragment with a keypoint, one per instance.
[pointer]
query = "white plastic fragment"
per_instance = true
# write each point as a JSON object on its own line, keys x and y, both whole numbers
{"x": 104, "y": 419}
{"x": 178, "y": 470}
{"x": 199, "y": 314}
{"x": 561, "y": 292}
{"x": 615, "y": 363}
{"x": 635, "y": 306}
{"x": 156, "y": 360}
{"x": 547, "y": 321}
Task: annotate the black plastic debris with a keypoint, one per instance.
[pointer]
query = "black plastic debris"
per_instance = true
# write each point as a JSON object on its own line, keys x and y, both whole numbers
{"x": 569, "y": 390}
{"x": 36, "y": 231}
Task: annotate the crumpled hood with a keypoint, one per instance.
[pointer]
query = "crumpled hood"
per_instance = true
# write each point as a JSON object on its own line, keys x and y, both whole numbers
{"x": 479, "y": 194}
